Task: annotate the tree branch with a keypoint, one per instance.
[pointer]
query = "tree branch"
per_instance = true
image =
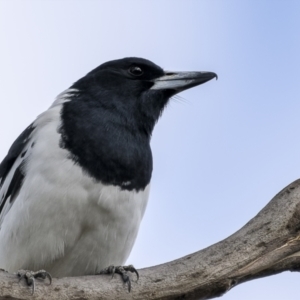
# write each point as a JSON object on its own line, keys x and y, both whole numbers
{"x": 266, "y": 245}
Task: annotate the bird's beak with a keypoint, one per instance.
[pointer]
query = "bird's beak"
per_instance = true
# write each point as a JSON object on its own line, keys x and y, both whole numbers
{"x": 180, "y": 81}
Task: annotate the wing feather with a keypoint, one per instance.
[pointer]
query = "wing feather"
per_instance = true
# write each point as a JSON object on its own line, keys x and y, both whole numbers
{"x": 12, "y": 171}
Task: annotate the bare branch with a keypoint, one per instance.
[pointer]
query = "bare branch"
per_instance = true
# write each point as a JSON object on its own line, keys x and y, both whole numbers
{"x": 266, "y": 245}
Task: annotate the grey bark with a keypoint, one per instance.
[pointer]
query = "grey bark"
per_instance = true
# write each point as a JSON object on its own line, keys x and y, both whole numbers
{"x": 268, "y": 244}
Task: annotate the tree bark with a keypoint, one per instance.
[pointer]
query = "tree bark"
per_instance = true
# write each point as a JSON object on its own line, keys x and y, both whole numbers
{"x": 268, "y": 244}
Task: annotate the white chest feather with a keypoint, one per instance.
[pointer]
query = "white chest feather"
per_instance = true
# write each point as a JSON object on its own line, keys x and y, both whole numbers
{"x": 62, "y": 220}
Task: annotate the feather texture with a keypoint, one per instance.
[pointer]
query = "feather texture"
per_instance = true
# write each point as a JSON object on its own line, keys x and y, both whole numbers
{"x": 62, "y": 220}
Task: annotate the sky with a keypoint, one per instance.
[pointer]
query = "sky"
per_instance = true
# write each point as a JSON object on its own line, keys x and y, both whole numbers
{"x": 221, "y": 151}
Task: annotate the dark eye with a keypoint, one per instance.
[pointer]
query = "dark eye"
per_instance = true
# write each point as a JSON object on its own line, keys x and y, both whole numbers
{"x": 136, "y": 71}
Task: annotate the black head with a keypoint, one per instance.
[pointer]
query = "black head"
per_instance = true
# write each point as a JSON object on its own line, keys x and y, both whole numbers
{"x": 137, "y": 88}
{"x": 108, "y": 123}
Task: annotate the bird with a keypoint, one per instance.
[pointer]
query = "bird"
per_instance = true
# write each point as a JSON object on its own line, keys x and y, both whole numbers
{"x": 75, "y": 184}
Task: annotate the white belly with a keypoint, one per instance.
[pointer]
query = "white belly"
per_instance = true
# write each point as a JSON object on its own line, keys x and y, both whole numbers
{"x": 70, "y": 229}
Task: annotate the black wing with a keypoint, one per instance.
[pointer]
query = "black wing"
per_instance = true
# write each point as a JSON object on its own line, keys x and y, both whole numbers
{"x": 17, "y": 149}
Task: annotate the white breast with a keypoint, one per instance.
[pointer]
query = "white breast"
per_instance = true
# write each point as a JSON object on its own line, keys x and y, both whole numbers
{"x": 62, "y": 220}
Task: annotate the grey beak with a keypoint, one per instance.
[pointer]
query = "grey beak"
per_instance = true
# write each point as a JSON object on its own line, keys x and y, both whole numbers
{"x": 180, "y": 81}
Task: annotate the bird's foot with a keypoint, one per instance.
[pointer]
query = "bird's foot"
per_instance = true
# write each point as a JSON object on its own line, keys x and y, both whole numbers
{"x": 3, "y": 270}
{"x": 30, "y": 277}
{"x": 123, "y": 271}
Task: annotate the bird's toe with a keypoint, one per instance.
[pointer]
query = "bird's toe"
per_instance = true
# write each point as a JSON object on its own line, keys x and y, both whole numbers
{"x": 30, "y": 277}
{"x": 123, "y": 272}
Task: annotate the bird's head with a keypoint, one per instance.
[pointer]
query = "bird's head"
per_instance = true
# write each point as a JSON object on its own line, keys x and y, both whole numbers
{"x": 137, "y": 88}
{"x": 108, "y": 119}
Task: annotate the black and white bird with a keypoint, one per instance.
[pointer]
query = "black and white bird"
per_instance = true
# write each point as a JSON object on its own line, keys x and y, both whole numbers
{"x": 74, "y": 185}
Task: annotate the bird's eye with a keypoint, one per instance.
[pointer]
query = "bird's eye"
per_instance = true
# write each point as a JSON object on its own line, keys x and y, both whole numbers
{"x": 136, "y": 71}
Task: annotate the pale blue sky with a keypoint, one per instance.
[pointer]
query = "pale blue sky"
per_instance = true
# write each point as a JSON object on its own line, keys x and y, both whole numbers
{"x": 222, "y": 152}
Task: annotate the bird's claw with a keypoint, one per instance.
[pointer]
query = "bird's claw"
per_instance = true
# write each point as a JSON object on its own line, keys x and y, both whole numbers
{"x": 122, "y": 270}
{"x": 30, "y": 277}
